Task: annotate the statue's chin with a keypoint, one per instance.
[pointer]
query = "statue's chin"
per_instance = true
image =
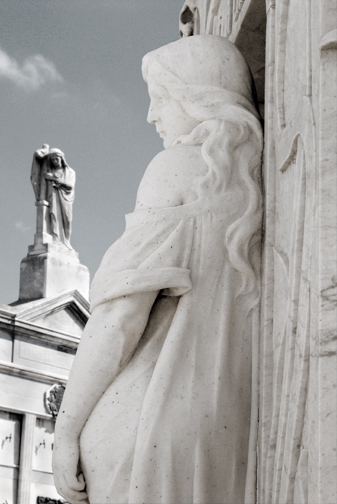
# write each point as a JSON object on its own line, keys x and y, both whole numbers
{"x": 168, "y": 142}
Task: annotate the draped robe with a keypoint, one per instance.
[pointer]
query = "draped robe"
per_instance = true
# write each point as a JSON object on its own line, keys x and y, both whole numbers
{"x": 173, "y": 427}
{"x": 60, "y": 196}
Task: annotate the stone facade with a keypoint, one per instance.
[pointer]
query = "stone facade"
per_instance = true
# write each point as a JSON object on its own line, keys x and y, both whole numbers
{"x": 296, "y": 89}
{"x": 38, "y": 341}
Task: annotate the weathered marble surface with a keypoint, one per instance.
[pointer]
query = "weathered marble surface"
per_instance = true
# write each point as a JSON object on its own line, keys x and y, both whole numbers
{"x": 159, "y": 404}
{"x": 298, "y": 367}
{"x": 298, "y": 361}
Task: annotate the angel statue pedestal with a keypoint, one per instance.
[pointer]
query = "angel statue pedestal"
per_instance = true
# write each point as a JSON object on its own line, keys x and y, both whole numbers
{"x": 52, "y": 265}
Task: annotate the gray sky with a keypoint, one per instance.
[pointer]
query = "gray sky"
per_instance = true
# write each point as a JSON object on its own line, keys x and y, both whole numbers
{"x": 70, "y": 77}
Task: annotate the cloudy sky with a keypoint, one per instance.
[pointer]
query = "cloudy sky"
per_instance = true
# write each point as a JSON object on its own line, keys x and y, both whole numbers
{"x": 70, "y": 77}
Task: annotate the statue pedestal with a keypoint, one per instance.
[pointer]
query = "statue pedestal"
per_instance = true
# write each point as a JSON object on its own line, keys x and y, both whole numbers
{"x": 49, "y": 270}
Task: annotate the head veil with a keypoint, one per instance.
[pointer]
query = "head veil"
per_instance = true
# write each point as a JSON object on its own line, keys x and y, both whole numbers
{"x": 211, "y": 80}
{"x": 207, "y": 74}
{"x": 54, "y": 150}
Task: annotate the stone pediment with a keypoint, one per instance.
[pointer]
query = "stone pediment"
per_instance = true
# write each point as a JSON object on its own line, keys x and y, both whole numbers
{"x": 67, "y": 313}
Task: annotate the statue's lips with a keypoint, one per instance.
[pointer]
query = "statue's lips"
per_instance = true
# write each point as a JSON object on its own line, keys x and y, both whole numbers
{"x": 161, "y": 133}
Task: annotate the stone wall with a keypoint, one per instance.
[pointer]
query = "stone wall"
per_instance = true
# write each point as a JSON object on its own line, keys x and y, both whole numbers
{"x": 38, "y": 342}
{"x": 291, "y": 48}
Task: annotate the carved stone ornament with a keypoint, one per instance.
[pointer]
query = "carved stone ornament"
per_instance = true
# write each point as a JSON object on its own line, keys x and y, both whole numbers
{"x": 48, "y": 500}
{"x": 214, "y": 18}
{"x": 53, "y": 399}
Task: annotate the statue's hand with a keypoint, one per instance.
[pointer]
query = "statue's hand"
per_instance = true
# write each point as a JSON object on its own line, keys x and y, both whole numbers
{"x": 52, "y": 176}
{"x": 68, "y": 481}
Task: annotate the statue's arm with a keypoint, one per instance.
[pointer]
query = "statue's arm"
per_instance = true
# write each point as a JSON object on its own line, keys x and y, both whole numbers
{"x": 67, "y": 180}
{"x": 108, "y": 341}
{"x": 51, "y": 176}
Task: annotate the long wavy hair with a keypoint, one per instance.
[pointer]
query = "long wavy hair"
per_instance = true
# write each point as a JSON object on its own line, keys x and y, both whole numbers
{"x": 229, "y": 133}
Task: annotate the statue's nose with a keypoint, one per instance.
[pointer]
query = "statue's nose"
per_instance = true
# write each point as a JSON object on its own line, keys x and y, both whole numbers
{"x": 152, "y": 116}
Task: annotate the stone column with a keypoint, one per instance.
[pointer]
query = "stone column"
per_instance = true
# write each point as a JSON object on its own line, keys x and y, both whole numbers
{"x": 324, "y": 404}
{"x": 26, "y": 458}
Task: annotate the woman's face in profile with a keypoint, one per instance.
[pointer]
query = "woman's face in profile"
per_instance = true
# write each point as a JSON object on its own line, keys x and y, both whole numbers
{"x": 166, "y": 113}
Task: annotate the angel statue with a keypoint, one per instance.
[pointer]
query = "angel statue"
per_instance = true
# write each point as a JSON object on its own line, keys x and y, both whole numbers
{"x": 159, "y": 406}
{"x": 53, "y": 183}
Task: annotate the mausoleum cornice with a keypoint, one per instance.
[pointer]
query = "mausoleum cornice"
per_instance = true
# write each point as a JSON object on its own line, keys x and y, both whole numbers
{"x": 30, "y": 374}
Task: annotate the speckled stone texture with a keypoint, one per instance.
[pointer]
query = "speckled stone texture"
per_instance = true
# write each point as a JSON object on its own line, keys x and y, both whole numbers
{"x": 296, "y": 81}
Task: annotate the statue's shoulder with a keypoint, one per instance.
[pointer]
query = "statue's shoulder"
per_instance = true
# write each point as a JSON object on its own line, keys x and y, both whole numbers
{"x": 170, "y": 177}
{"x": 176, "y": 163}
{"x": 178, "y": 154}
{"x": 72, "y": 172}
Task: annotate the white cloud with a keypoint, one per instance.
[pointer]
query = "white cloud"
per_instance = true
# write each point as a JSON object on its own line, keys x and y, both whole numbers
{"x": 32, "y": 74}
{"x": 22, "y": 227}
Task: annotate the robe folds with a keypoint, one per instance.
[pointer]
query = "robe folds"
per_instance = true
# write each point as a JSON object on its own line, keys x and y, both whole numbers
{"x": 173, "y": 428}
{"x": 61, "y": 197}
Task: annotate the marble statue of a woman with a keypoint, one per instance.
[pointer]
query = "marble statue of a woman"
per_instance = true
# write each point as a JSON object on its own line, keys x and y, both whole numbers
{"x": 158, "y": 404}
{"x": 54, "y": 185}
